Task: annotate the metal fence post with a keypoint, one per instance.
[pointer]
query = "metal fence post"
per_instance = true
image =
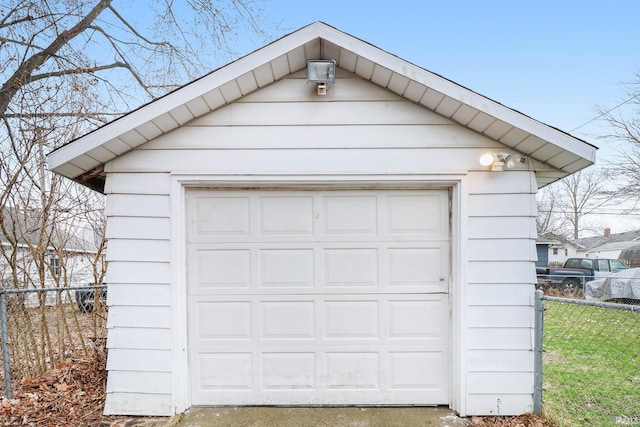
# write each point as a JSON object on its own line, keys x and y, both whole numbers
{"x": 537, "y": 353}
{"x": 5, "y": 345}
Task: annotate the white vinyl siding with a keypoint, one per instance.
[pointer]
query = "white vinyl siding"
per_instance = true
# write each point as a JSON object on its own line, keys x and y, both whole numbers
{"x": 139, "y": 322}
{"x": 502, "y": 215}
{"x": 392, "y": 134}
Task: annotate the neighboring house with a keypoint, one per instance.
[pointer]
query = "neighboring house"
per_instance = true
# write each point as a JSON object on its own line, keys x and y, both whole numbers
{"x": 558, "y": 253}
{"x": 554, "y": 250}
{"x": 608, "y": 245}
{"x": 543, "y": 244}
{"x": 609, "y": 250}
{"x": 270, "y": 245}
{"x": 67, "y": 258}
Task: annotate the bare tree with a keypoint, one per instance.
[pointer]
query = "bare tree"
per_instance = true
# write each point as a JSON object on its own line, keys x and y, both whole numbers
{"x": 67, "y": 66}
{"x": 624, "y": 121}
{"x": 126, "y": 54}
{"x": 585, "y": 192}
{"x": 563, "y": 207}
{"x": 547, "y": 220}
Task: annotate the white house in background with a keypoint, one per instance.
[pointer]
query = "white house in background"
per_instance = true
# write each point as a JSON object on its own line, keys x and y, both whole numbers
{"x": 558, "y": 253}
{"x": 554, "y": 250}
{"x": 608, "y": 245}
{"x": 609, "y": 250}
{"x": 273, "y": 245}
{"x": 67, "y": 258}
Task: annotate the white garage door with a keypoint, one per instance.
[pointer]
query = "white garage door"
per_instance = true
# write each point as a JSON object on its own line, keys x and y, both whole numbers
{"x": 318, "y": 297}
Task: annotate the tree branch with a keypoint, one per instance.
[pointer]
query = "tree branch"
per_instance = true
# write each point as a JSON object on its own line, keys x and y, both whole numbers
{"x": 19, "y": 42}
{"x": 79, "y": 70}
{"x": 23, "y": 73}
{"x": 133, "y": 30}
{"x": 4, "y": 24}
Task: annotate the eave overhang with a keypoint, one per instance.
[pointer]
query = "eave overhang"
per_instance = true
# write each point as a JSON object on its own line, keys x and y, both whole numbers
{"x": 556, "y": 153}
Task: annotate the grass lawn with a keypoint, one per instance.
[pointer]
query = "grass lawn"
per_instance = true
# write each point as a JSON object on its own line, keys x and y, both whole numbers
{"x": 591, "y": 370}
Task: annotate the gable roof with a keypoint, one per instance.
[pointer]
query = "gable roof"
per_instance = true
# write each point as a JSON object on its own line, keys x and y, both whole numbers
{"x": 596, "y": 242}
{"x": 556, "y": 153}
{"x": 614, "y": 246}
{"x": 22, "y": 229}
{"x": 553, "y": 239}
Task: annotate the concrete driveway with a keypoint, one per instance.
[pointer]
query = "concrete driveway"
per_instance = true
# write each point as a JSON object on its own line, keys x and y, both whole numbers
{"x": 318, "y": 417}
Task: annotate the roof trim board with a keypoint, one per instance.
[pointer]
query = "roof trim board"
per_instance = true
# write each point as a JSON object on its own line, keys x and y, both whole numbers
{"x": 543, "y": 143}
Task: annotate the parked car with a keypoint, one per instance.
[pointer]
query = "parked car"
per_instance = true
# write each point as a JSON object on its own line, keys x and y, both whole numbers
{"x": 576, "y": 272}
{"x": 86, "y": 298}
{"x": 623, "y": 286}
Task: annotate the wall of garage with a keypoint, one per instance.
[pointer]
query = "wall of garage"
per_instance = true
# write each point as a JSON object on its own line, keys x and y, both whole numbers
{"x": 356, "y": 130}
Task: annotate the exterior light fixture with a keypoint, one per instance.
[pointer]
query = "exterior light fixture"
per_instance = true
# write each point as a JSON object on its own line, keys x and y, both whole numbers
{"x": 514, "y": 160}
{"x": 321, "y": 72}
{"x": 486, "y": 159}
{"x": 500, "y": 161}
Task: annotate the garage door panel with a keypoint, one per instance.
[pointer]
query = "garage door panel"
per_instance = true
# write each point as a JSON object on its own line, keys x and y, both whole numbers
{"x": 318, "y": 297}
{"x": 353, "y": 319}
{"x": 222, "y": 216}
{"x": 236, "y": 216}
{"x": 288, "y": 320}
{"x": 352, "y": 371}
{"x": 416, "y": 370}
{"x": 332, "y": 377}
{"x": 225, "y": 371}
{"x": 222, "y": 268}
{"x": 286, "y": 268}
{"x": 417, "y": 214}
{"x": 417, "y": 319}
{"x": 302, "y": 321}
{"x": 361, "y": 267}
{"x": 351, "y": 267}
{"x": 415, "y": 266}
{"x": 292, "y": 371}
{"x": 350, "y": 215}
{"x": 223, "y": 320}
{"x": 286, "y": 215}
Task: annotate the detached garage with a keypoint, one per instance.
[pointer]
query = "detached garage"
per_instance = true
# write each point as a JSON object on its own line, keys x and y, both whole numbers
{"x": 275, "y": 240}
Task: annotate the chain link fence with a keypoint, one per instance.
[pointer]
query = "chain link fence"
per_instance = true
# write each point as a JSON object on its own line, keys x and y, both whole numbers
{"x": 590, "y": 363}
{"x": 590, "y": 356}
{"x": 44, "y": 327}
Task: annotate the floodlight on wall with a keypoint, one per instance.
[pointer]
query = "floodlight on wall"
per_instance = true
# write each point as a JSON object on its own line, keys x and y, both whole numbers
{"x": 499, "y": 161}
{"x": 321, "y": 72}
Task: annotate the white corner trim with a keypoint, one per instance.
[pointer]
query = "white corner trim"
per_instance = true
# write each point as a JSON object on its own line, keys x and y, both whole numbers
{"x": 179, "y": 321}
{"x": 458, "y": 291}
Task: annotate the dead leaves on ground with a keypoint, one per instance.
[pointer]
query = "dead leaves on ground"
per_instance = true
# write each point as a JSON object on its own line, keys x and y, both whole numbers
{"x": 72, "y": 394}
{"x": 525, "y": 420}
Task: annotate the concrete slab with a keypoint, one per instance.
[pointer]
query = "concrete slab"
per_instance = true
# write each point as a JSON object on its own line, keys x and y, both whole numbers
{"x": 319, "y": 417}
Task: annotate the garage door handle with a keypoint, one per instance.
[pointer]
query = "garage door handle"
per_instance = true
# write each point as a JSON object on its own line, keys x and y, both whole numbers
{"x": 442, "y": 279}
